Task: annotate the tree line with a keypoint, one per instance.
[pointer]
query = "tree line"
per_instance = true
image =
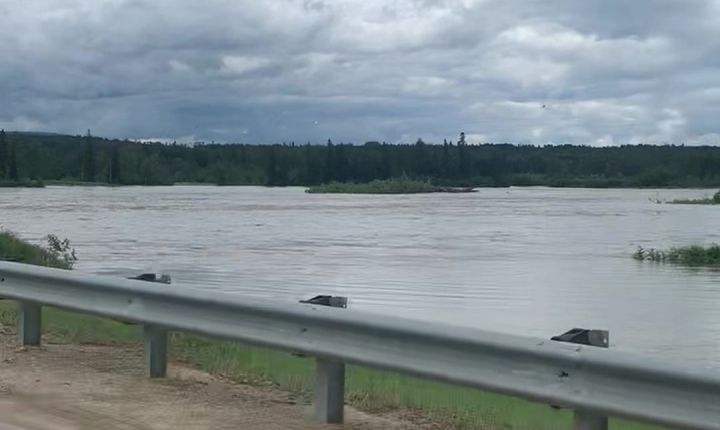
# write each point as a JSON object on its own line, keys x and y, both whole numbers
{"x": 47, "y": 157}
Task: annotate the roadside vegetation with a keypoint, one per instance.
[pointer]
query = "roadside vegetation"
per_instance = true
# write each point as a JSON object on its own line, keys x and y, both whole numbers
{"x": 367, "y": 389}
{"x": 714, "y": 200}
{"x": 694, "y": 255}
{"x": 56, "y": 253}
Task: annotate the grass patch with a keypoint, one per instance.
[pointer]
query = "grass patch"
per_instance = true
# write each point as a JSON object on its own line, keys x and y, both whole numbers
{"x": 58, "y": 253}
{"x": 714, "y": 200}
{"x": 694, "y": 255}
{"x": 401, "y": 185}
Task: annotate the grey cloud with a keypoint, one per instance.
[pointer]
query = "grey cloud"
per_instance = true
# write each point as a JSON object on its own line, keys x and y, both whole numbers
{"x": 593, "y": 72}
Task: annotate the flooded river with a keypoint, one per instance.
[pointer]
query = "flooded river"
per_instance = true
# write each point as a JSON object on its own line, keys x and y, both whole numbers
{"x": 531, "y": 261}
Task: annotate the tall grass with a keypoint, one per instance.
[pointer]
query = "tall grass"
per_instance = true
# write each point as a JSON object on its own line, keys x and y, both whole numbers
{"x": 694, "y": 255}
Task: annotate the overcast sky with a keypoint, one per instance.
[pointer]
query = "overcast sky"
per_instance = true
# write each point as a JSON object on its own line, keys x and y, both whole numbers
{"x": 596, "y": 72}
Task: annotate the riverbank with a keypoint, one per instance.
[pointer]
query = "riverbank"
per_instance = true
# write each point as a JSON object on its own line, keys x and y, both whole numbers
{"x": 22, "y": 184}
{"x": 371, "y": 391}
{"x": 57, "y": 254}
{"x": 368, "y": 390}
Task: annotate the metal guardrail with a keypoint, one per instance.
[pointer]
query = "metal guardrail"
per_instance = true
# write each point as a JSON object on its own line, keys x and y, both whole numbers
{"x": 595, "y": 382}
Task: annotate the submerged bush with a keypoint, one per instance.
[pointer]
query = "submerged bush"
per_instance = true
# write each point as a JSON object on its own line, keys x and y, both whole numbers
{"x": 694, "y": 255}
{"x": 714, "y": 200}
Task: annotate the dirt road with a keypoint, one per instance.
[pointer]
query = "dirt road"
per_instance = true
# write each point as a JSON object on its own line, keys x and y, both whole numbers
{"x": 79, "y": 387}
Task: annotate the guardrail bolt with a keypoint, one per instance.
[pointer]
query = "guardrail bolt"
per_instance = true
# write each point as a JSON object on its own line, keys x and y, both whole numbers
{"x": 329, "y": 391}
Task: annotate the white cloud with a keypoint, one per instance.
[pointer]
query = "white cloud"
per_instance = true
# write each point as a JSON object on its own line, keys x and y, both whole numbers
{"x": 593, "y": 72}
{"x": 238, "y": 65}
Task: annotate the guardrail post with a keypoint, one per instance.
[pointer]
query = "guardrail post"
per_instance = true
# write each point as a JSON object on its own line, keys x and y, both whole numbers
{"x": 156, "y": 339}
{"x": 329, "y": 375}
{"x": 586, "y": 420}
{"x": 589, "y": 421}
{"x": 329, "y": 391}
{"x": 29, "y": 327}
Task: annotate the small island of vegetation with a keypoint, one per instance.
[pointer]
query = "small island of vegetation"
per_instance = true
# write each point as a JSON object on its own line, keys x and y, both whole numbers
{"x": 714, "y": 200}
{"x": 402, "y": 185}
{"x": 694, "y": 255}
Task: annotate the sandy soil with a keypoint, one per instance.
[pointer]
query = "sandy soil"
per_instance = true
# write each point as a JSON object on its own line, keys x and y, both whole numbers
{"x": 82, "y": 387}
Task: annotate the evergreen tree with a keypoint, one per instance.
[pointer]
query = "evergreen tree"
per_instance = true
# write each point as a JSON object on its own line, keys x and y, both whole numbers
{"x": 341, "y": 166}
{"x": 89, "y": 159}
{"x": 422, "y": 164}
{"x": 114, "y": 170}
{"x": 386, "y": 166}
{"x": 329, "y": 171}
{"x": 12, "y": 164}
{"x": 463, "y": 162}
{"x": 445, "y": 159}
{"x": 271, "y": 167}
{"x": 3, "y": 155}
{"x": 283, "y": 170}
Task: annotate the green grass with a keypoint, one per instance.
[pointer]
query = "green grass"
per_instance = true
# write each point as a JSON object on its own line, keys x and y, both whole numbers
{"x": 694, "y": 255}
{"x": 368, "y": 389}
{"x": 714, "y": 200}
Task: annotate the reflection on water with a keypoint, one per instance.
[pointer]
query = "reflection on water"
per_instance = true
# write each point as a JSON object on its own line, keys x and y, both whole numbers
{"x": 532, "y": 261}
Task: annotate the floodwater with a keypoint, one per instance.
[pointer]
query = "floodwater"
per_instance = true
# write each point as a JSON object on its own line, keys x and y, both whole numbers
{"x": 529, "y": 261}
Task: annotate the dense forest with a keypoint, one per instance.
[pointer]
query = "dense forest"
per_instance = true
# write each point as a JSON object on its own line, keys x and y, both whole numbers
{"x": 26, "y": 157}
